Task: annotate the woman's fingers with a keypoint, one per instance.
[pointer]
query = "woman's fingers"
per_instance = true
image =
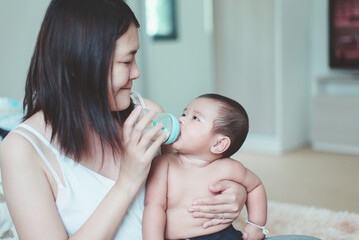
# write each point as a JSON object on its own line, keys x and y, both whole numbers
{"x": 137, "y": 132}
{"x": 230, "y": 197}
{"x": 133, "y": 129}
{"x": 155, "y": 146}
{"x": 216, "y": 204}
{"x": 213, "y": 200}
{"x": 216, "y": 221}
{"x": 138, "y": 140}
{"x": 227, "y": 216}
{"x": 130, "y": 122}
{"x": 214, "y": 211}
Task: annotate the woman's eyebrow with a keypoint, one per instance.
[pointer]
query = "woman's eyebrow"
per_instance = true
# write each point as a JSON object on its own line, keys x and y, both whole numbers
{"x": 133, "y": 52}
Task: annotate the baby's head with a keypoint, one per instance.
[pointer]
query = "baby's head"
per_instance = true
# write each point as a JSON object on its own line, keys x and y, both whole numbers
{"x": 212, "y": 126}
{"x": 231, "y": 121}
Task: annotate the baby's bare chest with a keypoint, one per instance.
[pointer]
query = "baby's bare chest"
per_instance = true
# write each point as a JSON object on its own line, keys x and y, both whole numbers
{"x": 184, "y": 186}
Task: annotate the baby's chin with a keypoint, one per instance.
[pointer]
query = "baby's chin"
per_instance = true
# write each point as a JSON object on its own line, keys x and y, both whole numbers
{"x": 176, "y": 145}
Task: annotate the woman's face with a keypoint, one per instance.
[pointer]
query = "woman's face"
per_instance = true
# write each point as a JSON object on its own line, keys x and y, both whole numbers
{"x": 124, "y": 70}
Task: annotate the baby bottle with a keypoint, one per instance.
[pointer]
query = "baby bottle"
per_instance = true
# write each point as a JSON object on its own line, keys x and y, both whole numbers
{"x": 170, "y": 123}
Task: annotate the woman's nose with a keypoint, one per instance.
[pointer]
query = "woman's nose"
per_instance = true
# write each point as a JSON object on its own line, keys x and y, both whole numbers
{"x": 134, "y": 72}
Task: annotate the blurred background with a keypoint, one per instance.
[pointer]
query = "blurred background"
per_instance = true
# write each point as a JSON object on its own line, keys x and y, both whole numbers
{"x": 273, "y": 56}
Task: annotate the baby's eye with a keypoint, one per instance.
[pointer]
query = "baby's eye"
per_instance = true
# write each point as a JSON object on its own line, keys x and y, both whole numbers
{"x": 183, "y": 114}
{"x": 195, "y": 118}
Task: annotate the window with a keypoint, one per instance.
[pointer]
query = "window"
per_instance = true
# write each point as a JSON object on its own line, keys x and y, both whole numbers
{"x": 161, "y": 19}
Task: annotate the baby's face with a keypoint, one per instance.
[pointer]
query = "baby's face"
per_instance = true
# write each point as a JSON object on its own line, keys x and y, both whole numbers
{"x": 196, "y": 126}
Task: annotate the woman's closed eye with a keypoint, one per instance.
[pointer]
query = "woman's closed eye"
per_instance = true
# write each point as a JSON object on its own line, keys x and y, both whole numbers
{"x": 127, "y": 61}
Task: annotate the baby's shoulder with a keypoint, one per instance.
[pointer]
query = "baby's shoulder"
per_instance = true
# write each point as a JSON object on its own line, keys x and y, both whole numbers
{"x": 228, "y": 164}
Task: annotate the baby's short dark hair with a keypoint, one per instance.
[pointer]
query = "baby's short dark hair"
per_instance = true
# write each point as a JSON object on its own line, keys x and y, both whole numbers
{"x": 232, "y": 121}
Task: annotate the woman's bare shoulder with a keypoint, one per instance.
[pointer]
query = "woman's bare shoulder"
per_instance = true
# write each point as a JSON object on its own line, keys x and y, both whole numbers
{"x": 153, "y": 105}
{"x": 15, "y": 149}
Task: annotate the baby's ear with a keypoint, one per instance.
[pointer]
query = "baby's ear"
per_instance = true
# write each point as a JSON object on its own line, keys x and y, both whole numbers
{"x": 221, "y": 144}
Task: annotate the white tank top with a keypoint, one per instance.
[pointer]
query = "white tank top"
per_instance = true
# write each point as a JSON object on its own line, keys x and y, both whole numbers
{"x": 83, "y": 190}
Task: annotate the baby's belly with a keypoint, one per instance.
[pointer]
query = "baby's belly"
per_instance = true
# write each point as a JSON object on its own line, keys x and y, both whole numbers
{"x": 181, "y": 225}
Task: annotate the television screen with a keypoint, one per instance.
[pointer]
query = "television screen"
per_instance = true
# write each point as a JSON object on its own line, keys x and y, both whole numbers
{"x": 344, "y": 34}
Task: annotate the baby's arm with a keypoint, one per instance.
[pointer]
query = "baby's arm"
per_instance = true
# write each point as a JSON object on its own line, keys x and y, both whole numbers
{"x": 256, "y": 197}
{"x": 154, "y": 216}
{"x": 256, "y": 207}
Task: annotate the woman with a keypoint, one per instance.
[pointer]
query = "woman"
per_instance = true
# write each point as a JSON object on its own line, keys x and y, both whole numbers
{"x": 76, "y": 167}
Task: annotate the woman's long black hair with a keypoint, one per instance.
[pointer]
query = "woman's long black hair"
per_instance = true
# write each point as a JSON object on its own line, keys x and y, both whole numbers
{"x": 68, "y": 74}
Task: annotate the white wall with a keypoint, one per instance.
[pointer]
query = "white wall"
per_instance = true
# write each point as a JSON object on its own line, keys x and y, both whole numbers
{"x": 244, "y": 58}
{"x": 178, "y": 70}
{"x": 138, "y": 8}
{"x": 19, "y": 23}
{"x": 294, "y": 119}
{"x": 262, "y": 55}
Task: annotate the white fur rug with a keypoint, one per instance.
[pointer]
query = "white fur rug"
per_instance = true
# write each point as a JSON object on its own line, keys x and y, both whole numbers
{"x": 292, "y": 219}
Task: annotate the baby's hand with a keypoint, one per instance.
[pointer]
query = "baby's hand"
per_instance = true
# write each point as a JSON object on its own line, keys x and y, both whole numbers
{"x": 252, "y": 233}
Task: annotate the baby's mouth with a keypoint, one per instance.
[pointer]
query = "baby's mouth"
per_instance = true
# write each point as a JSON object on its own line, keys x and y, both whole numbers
{"x": 179, "y": 135}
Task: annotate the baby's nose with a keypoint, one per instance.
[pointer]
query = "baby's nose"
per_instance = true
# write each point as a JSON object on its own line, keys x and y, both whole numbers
{"x": 181, "y": 120}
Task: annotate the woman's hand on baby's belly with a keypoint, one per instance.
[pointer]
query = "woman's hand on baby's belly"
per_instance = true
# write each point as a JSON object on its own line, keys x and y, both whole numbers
{"x": 181, "y": 225}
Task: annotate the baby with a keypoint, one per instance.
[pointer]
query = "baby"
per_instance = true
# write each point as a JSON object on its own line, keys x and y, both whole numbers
{"x": 213, "y": 127}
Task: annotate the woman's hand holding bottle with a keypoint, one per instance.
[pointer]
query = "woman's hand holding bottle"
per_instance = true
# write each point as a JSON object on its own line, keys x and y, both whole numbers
{"x": 138, "y": 148}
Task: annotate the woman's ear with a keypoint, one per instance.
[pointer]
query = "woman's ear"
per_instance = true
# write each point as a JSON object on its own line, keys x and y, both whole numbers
{"x": 221, "y": 145}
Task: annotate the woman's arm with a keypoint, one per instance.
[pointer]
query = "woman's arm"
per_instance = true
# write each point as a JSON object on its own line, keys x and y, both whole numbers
{"x": 27, "y": 191}
{"x": 154, "y": 216}
{"x": 31, "y": 201}
{"x": 136, "y": 161}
